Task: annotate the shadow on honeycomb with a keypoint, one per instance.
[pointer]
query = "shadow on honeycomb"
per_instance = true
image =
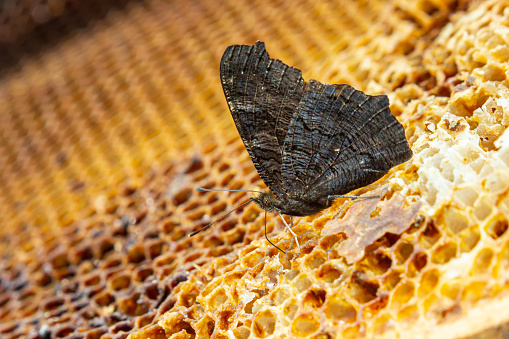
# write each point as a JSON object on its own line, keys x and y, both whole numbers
{"x": 112, "y": 114}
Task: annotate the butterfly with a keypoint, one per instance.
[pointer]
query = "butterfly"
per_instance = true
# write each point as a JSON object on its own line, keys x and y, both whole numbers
{"x": 310, "y": 142}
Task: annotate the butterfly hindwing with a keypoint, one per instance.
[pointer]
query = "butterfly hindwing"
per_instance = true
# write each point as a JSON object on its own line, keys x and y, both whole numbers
{"x": 262, "y": 94}
{"x": 340, "y": 139}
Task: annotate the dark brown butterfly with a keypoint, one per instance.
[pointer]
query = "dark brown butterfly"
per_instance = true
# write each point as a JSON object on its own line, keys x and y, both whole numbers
{"x": 310, "y": 142}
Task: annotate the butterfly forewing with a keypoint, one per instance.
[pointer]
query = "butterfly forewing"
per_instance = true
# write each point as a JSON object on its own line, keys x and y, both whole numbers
{"x": 262, "y": 94}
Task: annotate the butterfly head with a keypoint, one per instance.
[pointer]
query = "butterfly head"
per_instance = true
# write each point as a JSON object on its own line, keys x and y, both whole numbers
{"x": 267, "y": 201}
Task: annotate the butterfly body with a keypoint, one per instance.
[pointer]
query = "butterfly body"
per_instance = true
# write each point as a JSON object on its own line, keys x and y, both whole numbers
{"x": 287, "y": 205}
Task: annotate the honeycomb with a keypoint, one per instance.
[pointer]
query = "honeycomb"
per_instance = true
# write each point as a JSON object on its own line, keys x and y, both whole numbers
{"x": 112, "y": 115}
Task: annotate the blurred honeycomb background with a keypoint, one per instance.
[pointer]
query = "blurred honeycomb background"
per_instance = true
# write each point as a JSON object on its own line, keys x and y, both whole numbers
{"x": 112, "y": 113}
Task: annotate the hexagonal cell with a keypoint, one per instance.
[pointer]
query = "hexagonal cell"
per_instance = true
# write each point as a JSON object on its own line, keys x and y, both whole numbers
{"x": 497, "y": 182}
{"x": 135, "y": 253}
{"x": 279, "y": 296}
{"x": 469, "y": 238}
{"x": 482, "y": 262}
{"x": 383, "y": 324}
{"x": 429, "y": 281}
{"x": 264, "y": 324}
{"x": 104, "y": 298}
{"x": 119, "y": 281}
{"x": 455, "y": 219}
{"x": 329, "y": 272}
{"x": 316, "y": 260}
{"x": 290, "y": 308}
{"x": 467, "y": 196}
{"x": 474, "y": 291}
{"x": 241, "y": 332}
{"x": 339, "y": 309}
{"x": 305, "y": 325}
{"x": 496, "y": 226}
{"x": 451, "y": 288}
{"x": 376, "y": 305}
{"x": 218, "y": 298}
{"x": 403, "y": 251}
{"x": 361, "y": 288}
{"x": 483, "y": 207}
{"x": 408, "y": 315}
{"x": 314, "y": 298}
{"x": 327, "y": 242}
{"x": 442, "y": 254}
{"x": 392, "y": 279}
{"x": 417, "y": 263}
{"x": 429, "y": 235}
{"x": 302, "y": 283}
{"x": 431, "y": 306}
{"x": 375, "y": 260}
{"x": 402, "y": 294}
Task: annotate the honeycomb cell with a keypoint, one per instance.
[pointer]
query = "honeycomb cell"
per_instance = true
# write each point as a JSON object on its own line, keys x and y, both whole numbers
{"x": 352, "y": 332}
{"x": 470, "y": 237}
{"x": 314, "y": 298}
{"x": 403, "y": 251}
{"x": 340, "y": 310}
{"x": 402, "y": 294}
{"x": 302, "y": 283}
{"x": 329, "y": 272}
{"x": 119, "y": 282}
{"x": 392, "y": 279}
{"x": 497, "y": 226}
{"x": 429, "y": 236}
{"x": 482, "y": 262}
{"x": 408, "y": 315}
{"x": 104, "y": 298}
{"x": 327, "y": 242}
{"x": 383, "y": 324}
{"x": 417, "y": 263}
{"x": 429, "y": 281}
{"x": 264, "y": 324}
{"x": 455, "y": 220}
{"x": 362, "y": 289}
{"x": 376, "y": 261}
{"x": 218, "y": 298}
{"x": 241, "y": 332}
{"x": 444, "y": 253}
{"x": 280, "y": 295}
{"x": 467, "y": 196}
{"x": 483, "y": 208}
{"x": 305, "y": 325}
{"x": 451, "y": 289}
{"x": 316, "y": 260}
{"x": 290, "y": 308}
{"x": 136, "y": 254}
{"x": 474, "y": 291}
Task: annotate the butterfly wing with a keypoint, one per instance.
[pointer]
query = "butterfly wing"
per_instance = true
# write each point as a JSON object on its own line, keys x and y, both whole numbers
{"x": 340, "y": 139}
{"x": 262, "y": 95}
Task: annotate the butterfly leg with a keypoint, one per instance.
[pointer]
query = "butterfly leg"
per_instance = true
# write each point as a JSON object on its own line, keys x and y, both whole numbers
{"x": 292, "y": 232}
{"x": 270, "y": 242}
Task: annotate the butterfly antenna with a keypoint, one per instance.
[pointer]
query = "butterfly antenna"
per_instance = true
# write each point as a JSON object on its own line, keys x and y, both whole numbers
{"x": 268, "y": 237}
{"x": 220, "y": 218}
